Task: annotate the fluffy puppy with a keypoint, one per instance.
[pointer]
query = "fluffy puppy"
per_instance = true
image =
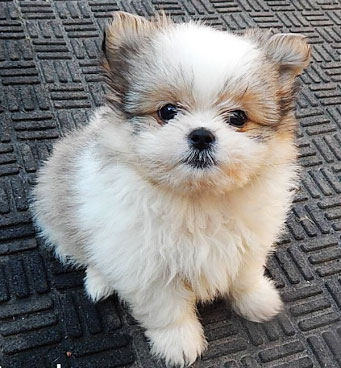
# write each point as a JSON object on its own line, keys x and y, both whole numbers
{"x": 177, "y": 188}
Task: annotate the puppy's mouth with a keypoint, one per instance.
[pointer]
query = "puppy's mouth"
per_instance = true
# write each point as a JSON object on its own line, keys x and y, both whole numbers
{"x": 200, "y": 159}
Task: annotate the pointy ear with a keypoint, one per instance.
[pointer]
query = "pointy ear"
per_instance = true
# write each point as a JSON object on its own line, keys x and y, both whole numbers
{"x": 290, "y": 51}
{"x": 124, "y": 38}
{"x": 125, "y": 30}
{"x": 290, "y": 54}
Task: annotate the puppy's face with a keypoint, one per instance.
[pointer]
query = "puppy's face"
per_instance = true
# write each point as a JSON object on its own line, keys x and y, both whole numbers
{"x": 203, "y": 105}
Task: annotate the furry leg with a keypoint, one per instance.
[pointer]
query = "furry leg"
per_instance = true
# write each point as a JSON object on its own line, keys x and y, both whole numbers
{"x": 254, "y": 296}
{"x": 168, "y": 313}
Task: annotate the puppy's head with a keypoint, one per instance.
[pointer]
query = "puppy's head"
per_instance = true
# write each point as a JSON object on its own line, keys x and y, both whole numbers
{"x": 204, "y": 106}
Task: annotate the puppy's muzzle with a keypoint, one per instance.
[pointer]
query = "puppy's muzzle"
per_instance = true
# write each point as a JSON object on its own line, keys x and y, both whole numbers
{"x": 201, "y": 155}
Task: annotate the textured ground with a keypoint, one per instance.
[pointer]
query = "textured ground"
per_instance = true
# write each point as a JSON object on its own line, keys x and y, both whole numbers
{"x": 49, "y": 84}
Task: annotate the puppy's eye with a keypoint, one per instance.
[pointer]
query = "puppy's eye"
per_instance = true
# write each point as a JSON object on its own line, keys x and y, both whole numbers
{"x": 237, "y": 118}
{"x": 167, "y": 112}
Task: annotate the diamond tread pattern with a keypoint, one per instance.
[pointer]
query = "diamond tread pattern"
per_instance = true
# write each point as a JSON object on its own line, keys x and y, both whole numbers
{"x": 49, "y": 84}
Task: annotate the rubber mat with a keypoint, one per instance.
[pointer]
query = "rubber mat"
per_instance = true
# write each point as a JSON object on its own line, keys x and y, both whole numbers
{"x": 50, "y": 84}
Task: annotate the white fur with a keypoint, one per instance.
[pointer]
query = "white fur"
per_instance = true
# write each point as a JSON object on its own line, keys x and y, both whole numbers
{"x": 148, "y": 240}
{"x": 212, "y": 56}
{"x": 161, "y": 233}
{"x": 142, "y": 242}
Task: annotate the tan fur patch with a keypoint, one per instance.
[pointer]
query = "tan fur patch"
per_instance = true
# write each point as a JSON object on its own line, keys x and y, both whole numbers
{"x": 154, "y": 99}
{"x": 256, "y": 102}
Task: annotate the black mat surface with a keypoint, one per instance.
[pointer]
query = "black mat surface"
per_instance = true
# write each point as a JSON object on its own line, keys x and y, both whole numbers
{"x": 49, "y": 83}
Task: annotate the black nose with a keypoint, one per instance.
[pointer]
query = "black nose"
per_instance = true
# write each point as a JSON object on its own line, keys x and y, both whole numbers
{"x": 201, "y": 138}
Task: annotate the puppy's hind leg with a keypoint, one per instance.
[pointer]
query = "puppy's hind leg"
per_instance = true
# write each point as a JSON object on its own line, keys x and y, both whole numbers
{"x": 96, "y": 286}
{"x": 254, "y": 296}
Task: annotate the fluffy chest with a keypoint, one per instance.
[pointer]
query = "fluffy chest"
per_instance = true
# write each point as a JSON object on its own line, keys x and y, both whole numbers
{"x": 201, "y": 240}
{"x": 195, "y": 239}
{"x": 204, "y": 251}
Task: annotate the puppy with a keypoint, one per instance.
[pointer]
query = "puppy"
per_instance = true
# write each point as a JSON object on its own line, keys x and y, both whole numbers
{"x": 179, "y": 186}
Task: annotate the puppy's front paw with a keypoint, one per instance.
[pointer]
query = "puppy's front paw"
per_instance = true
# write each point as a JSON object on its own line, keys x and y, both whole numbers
{"x": 260, "y": 303}
{"x": 179, "y": 344}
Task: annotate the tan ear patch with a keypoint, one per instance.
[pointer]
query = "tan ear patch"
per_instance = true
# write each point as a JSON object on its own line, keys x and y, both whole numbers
{"x": 290, "y": 50}
{"x": 125, "y": 37}
{"x": 126, "y": 29}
